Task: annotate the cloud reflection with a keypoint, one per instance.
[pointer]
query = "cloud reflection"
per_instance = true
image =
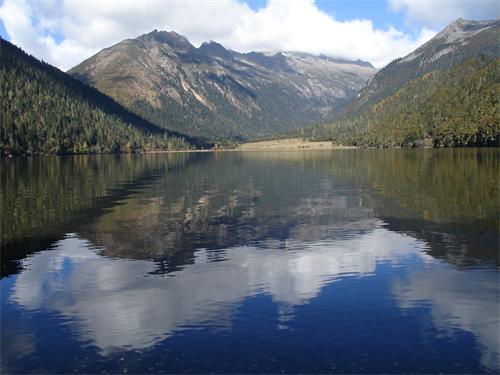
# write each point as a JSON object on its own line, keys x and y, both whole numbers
{"x": 118, "y": 305}
{"x": 459, "y": 300}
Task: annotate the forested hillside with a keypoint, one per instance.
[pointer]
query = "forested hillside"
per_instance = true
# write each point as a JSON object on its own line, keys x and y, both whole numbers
{"x": 46, "y": 111}
{"x": 457, "y": 42}
{"x": 457, "y": 107}
{"x": 445, "y": 93}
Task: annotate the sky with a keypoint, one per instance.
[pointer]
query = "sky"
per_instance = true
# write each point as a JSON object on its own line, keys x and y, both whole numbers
{"x": 65, "y": 32}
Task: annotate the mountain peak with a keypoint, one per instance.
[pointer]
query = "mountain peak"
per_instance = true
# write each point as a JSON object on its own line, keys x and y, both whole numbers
{"x": 171, "y": 38}
{"x": 214, "y": 49}
{"x": 461, "y": 29}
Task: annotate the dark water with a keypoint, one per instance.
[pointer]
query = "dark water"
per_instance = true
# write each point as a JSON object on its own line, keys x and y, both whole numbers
{"x": 359, "y": 261}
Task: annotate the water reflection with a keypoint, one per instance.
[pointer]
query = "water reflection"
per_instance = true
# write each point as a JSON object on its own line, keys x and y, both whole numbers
{"x": 117, "y": 307}
{"x": 366, "y": 252}
{"x": 459, "y": 301}
{"x": 43, "y": 198}
{"x": 151, "y": 206}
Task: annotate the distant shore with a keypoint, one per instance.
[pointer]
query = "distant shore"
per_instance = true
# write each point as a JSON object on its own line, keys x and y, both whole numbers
{"x": 289, "y": 144}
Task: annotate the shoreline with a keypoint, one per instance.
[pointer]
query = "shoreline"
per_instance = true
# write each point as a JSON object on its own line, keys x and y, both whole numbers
{"x": 292, "y": 144}
{"x": 287, "y": 145}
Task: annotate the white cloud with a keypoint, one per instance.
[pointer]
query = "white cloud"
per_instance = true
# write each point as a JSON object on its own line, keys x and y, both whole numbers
{"x": 66, "y": 32}
{"x": 439, "y": 13}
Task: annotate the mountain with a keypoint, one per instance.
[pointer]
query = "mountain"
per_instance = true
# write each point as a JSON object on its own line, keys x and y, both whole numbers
{"x": 444, "y": 93}
{"x": 215, "y": 92}
{"x": 46, "y": 111}
{"x": 460, "y": 40}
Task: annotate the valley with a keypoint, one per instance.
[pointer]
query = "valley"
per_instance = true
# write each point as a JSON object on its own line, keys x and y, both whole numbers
{"x": 158, "y": 92}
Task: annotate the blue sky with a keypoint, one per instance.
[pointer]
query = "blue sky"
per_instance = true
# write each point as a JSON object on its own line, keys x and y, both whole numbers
{"x": 375, "y": 10}
{"x": 64, "y": 32}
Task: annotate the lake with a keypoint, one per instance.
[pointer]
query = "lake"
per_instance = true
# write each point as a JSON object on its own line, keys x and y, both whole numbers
{"x": 347, "y": 261}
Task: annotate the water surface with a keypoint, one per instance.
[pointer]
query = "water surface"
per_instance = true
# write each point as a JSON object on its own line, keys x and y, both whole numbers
{"x": 352, "y": 261}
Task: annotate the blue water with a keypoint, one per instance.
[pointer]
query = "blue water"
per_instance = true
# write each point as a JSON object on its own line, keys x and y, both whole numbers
{"x": 273, "y": 265}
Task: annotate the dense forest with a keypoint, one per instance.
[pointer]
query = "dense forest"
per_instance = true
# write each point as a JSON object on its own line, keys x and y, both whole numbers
{"x": 449, "y": 107}
{"x": 46, "y": 111}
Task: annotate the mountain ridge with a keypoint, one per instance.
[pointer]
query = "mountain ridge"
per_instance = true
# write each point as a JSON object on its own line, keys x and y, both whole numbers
{"x": 216, "y": 92}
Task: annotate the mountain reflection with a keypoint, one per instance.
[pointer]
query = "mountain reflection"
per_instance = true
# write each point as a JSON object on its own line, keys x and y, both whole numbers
{"x": 164, "y": 206}
{"x": 117, "y": 307}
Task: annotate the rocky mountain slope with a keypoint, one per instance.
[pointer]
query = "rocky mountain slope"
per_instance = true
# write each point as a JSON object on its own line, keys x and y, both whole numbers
{"x": 445, "y": 93}
{"x": 214, "y": 92}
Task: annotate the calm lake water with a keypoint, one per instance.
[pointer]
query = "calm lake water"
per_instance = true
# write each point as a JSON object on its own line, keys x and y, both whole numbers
{"x": 349, "y": 261}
